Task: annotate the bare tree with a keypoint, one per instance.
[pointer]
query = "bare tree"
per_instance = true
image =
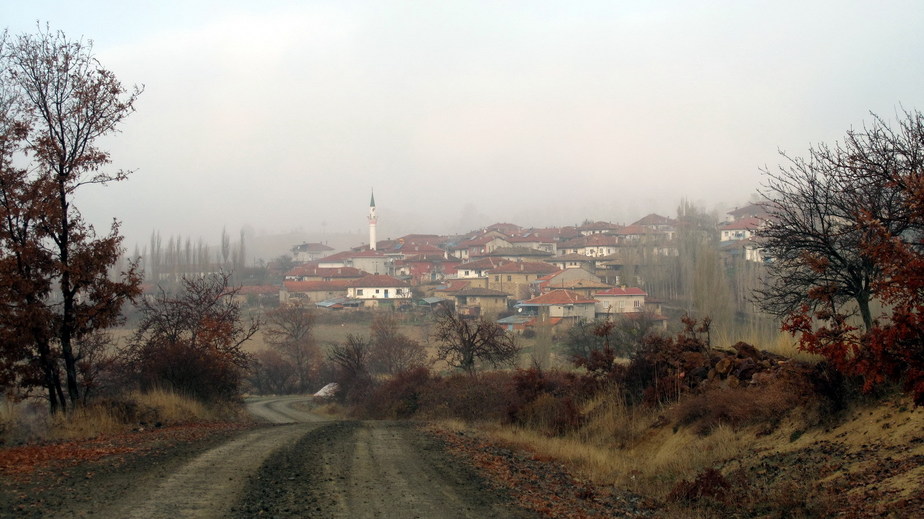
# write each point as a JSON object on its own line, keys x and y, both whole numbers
{"x": 289, "y": 330}
{"x": 352, "y": 361}
{"x": 392, "y": 352}
{"x": 816, "y": 229}
{"x": 463, "y": 343}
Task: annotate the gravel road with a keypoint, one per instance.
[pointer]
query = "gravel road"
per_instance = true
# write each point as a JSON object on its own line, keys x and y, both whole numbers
{"x": 303, "y": 466}
{"x": 370, "y": 469}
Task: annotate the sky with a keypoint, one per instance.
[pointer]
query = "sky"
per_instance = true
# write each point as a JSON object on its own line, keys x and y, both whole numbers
{"x": 283, "y": 116}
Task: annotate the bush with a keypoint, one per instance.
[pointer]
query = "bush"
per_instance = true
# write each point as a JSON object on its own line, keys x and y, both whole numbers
{"x": 400, "y": 397}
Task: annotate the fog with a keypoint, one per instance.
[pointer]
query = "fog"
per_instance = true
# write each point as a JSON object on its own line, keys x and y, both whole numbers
{"x": 283, "y": 116}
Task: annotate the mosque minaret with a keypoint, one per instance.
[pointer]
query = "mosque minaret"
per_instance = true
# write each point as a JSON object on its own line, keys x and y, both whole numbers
{"x": 372, "y": 221}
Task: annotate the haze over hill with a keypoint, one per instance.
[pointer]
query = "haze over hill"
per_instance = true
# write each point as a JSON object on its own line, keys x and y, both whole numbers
{"x": 283, "y": 116}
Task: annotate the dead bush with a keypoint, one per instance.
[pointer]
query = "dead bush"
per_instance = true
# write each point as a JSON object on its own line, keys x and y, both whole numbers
{"x": 400, "y": 397}
{"x": 766, "y": 402}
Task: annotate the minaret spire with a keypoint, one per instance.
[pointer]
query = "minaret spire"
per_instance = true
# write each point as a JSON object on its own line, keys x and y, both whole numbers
{"x": 372, "y": 221}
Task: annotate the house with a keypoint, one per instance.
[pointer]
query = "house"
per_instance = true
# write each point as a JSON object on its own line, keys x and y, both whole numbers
{"x": 584, "y": 286}
{"x": 378, "y": 290}
{"x": 477, "y": 302}
{"x": 312, "y": 291}
{"x": 257, "y": 295}
{"x": 478, "y": 268}
{"x": 310, "y": 252}
{"x": 559, "y": 307}
{"x": 507, "y": 229}
{"x": 589, "y": 228}
{"x": 312, "y": 272}
{"x": 595, "y": 245}
{"x": 518, "y": 254}
{"x": 371, "y": 261}
{"x": 755, "y": 210}
{"x": 562, "y": 277}
{"x": 515, "y": 278}
{"x": 656, "y": 222}
{"x": 740, "y": 229}
{"x": 573, "y": 261}
{"x": 478, "y": 246}
{"x": 620, "y": 300}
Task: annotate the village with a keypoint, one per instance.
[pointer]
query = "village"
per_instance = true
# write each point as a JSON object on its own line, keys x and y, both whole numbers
{"x": 519, "y": 277}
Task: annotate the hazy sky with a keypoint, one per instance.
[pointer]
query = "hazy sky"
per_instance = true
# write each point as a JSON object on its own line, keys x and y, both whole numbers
{"x": 282, "y": 115}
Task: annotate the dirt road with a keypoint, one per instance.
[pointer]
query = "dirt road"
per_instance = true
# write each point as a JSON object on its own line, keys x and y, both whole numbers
{"x": 305, "y": 467}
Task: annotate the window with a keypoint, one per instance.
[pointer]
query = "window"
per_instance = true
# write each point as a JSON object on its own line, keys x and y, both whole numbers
{"x": 466, "y": 273}
{"x": 509, "y": 278}
{"x": 637, "y": 303}
{"x": 497, "y": 278}
{"x": 359, "y": 291}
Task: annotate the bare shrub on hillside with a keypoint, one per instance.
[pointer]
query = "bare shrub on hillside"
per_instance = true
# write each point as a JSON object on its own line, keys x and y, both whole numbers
{"x": 393, "y": 352}
{"x": 351, "y": 359}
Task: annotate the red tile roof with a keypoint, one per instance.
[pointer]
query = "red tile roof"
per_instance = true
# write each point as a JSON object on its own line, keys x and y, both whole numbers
{"x": 619, "y": 291}
{"x": 483, "y": 264}
{"x": 560, "y": 297}
{"x": 654, "y": 219}
{"x": 574, "y": 283}
{"x": 377, "y": 281}
{"x": 257, "y": 290}
{"x": 316, "y": 286}
{"x": 525, "y": 267}
{"x": 744, "y": 224}
{"x": 454, "y": 285}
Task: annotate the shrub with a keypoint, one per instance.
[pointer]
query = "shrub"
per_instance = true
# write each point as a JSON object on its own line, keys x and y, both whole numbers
{"x": 400, "y": 397}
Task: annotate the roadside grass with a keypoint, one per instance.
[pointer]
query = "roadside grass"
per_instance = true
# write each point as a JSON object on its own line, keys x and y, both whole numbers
{"x": 627, "y": 447}
{"x": 30, "y": 421}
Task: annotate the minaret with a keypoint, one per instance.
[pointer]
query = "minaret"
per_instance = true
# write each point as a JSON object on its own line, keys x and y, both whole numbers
{"x": 372, "y": 221}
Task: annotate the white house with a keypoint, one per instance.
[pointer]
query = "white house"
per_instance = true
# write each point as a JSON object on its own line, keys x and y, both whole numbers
{"x": 620, "y": 300}
{"x": 379, "y": 290}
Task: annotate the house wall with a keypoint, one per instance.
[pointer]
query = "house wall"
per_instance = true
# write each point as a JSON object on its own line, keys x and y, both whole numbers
{"x": 578, "y": 311}
{"x": 619, "y": 304}
{"x": 514, "y": 284}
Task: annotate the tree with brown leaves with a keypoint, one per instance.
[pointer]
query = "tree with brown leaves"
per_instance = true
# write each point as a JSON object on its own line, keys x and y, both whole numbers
{"x": 192, "y": 341}
{"x": 57, "y": 103}
{"x": 845, "y": 231}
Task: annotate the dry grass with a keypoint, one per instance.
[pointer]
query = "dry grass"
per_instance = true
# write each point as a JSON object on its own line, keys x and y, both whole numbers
{"x": 779, "y": 343}
{"x": 30, "y": 421}
{"x": 627, "y": 448}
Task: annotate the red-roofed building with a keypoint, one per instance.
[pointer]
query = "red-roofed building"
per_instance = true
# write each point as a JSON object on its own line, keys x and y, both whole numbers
{"x": 379, "y": 290}
{"x": 740, "y": 229}
{"x": 310, "y": 252}
{"x": 620, "y": 300}
{"x": 478, "y": 268}
{"x": 478, "y": 246}
{"x": 372, "y": 261}
{"x": 312, "y": 272}
{"x": 515, "y": 278}
{"x": 595, "y": 245}
{"x": 565, "y": 305}
{"x": 590, "y": 228}
{"x": 312, "y": 291}
{"x": 476, "y": 302}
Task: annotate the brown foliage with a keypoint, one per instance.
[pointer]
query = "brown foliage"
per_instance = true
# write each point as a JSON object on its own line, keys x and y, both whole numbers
{"x": 57, "y": 101}
{"x": 192, "y": 342}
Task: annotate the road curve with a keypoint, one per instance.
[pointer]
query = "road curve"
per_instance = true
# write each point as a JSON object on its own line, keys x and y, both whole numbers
{"x": 207, "y": 486}
{"x": 282, "y": 409}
